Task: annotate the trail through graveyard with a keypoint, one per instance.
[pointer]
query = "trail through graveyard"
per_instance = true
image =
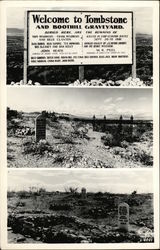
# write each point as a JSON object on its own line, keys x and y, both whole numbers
{"x": 95, "y": 154}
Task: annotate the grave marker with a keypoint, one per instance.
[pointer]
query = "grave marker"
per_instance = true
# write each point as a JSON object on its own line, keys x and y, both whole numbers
{"x": 123, "y": 216}
{"x": 94, "y": 122}
{"x": 40, "y": 131}
{"x": 83, "y": 192}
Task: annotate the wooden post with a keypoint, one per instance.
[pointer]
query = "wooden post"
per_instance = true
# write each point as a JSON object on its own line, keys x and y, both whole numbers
{"x": 25, "y": 50}
{"x": 134, "y": 48}
{"x": 81, "y": 73}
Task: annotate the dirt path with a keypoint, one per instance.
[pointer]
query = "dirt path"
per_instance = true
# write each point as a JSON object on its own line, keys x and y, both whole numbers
{"x": 97, "y": 155}
{"x": 95, "y": 139}
{"x": 69, "y": 152}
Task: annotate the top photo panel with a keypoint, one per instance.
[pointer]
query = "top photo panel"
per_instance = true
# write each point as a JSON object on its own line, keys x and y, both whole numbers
{"x": 61, "y": 47}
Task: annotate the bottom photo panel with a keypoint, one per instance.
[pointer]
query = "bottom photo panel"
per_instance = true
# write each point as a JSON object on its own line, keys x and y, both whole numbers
{"x": 75, "y": 206}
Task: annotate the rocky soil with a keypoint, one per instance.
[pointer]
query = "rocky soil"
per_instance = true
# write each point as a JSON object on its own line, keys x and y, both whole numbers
{"x": 133, "y": 82}
{"x": 67, "y": 218}
{"x": 73, "y": 144}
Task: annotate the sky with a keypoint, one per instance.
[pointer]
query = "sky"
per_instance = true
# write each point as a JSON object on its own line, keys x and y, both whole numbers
{"x": 83, "y": 101}
{"x": 143, "y": 18}
{"x": 93, "y": 180}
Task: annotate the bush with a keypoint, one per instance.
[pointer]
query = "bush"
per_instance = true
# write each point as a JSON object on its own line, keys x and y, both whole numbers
{"x": 23, "y": 194}
{"x": 144, "y": 157}
{"x": 12, "y": 114}
{"x": 63, "y": 206}
{"x": 31, "y": 147}
{"x": 108, "y": 139}
{"x": 124, "y": 144}
{"x": 71, "y": 190}
{"x": 20, "y": 204}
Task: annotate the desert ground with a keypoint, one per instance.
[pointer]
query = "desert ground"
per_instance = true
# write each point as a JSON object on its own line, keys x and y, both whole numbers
{"x": 40, "y": 216}
{"x": 75, "y": 144}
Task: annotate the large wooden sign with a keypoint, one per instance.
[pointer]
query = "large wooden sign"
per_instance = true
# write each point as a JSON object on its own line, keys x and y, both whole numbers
{"x": 79, "y": 38}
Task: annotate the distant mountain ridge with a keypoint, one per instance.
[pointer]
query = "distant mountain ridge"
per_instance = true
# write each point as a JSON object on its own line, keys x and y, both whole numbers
{"x": 16, "y": 31}
{"x": 98, "y": 117}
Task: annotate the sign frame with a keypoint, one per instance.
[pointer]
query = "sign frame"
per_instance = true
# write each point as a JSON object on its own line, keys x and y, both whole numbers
{"x": 26, "y": 34}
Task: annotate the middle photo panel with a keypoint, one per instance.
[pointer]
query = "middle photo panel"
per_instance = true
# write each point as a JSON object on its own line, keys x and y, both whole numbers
{"x": 79, "y": 128}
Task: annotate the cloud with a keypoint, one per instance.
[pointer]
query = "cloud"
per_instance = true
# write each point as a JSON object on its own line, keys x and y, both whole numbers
{"x": 119, "y": 99}
{"x": 108, "y": 100}
{"x": 58, "y": 180}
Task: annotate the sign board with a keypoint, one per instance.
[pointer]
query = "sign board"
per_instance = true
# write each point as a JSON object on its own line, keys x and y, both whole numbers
{"x": 79, "y": 38}
{"x": 123, "y": 216}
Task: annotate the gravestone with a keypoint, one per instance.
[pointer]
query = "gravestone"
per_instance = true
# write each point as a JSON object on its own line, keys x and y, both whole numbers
{"x": 120, "y": 125}
{"x": 131, "y": 126}
{"x": 83, "y": 193}
{"x": 123, "y": 216}
{"x": 94, "y": 122}
{"x": 40, "y": 132}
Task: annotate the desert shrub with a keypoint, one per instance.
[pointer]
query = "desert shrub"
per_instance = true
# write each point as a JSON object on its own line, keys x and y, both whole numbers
{"x": 124, "y": 144}
{"x": 58, "y": 159}
{"x": 13, "y": 114}
{"x": 68, "y": 139}
{"x": 97, "y": 212}
{"x": 122, "y": 135}
{"x": 11, "y": 194}
{"x": 108, "y": 140}
{"x": 63, "y": 206}
{"x": 83, "y": 202}
{"x": 20, "y": 204}
{"x": 12, "y": 126}
{"x": 147, "y": 135}
{"x": 134, "y": 193}
{"x": 72, "y": 190}
{"x": 132, "y": 201}
{"x": 31, "y": 147}
{"x": 144, "y": 157}
{"x": 99, "y": 194}
{"x": 42, "y": 191}
{"x": 23, "y": 194}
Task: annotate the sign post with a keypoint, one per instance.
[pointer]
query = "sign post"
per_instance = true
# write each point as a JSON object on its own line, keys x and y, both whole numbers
{"x": 81, "y": 73}
{"x": 25, "y": 49}
{"x": 134, "y": 50}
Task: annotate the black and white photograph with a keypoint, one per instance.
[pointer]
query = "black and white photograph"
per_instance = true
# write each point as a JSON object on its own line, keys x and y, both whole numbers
{"x": 79, "y": 125}
{"x": 104, "y": 48}
{"x": 79, "y": 128}
{"x": 80, "y": 206}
